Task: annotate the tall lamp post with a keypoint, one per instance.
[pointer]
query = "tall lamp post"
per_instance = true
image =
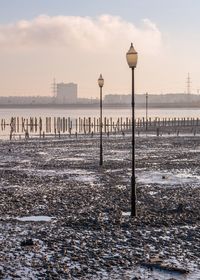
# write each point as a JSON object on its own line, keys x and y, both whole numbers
{"x": 132, "y": 58}
{"x": 101, "y": 83}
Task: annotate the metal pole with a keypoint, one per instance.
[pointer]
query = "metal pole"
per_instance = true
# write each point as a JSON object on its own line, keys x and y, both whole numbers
{"x": 101, "y": 146}
{"x": 133, "y": 187}
{"x": 146, "y": 111}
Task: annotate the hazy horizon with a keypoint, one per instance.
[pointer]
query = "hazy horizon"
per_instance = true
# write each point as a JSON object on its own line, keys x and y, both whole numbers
{"x": 97, "y": 97}
{"x": 75, "y": 42}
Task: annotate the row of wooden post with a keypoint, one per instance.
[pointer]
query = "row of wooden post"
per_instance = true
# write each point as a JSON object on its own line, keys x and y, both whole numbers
{"x": 63, "y": 125}
{"x": 158, "y": 122}
{"x": 58, "y": 125}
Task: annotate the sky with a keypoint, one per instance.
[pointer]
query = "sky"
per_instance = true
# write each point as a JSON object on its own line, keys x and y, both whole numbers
{"x": 75, "y": 41}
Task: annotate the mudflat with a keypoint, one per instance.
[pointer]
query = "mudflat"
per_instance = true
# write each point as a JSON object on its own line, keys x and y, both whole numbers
{"x": 62, "y": 216}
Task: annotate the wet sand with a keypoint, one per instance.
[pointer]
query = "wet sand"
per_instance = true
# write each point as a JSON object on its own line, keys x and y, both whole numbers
{"x": 78, "y": 223}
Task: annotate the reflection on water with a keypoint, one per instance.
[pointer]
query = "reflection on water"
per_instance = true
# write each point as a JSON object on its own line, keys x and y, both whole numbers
{"x": 114, "y": 113}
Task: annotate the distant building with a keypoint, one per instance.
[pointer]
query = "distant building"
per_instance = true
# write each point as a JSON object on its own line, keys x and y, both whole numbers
{"x": 87, "y": 100}
{"x": 66, "y": 93}
{"x": 25, "y": 100}
{"x": 117, "y": 99}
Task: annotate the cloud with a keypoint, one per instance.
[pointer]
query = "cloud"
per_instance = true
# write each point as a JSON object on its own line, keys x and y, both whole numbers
{"x": 105, "y": 33}
{"x": 77, "y": 49}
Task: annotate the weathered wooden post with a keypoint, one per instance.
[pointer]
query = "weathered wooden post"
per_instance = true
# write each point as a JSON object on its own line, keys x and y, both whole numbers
{"x": 84, "y": 124}
{"x": 68, "y": 123}
{"x": 36, "y": 125}
{"x": 76, "y": 125}
{"x": 89, "y": 124}
{"x": 27, "y": 124}
{"x": 157, "y": 131}
{"x": 64, "y": 125}
{"x": 111, "y": 125}
{"x": 17, "y": 124}
{"x": 121, "y": 121}
{"x": 61, "y": 124}
{"x": 143, "y": 122}
{"x": 118, "y": 124}
{"x": 97, "y": 125}
{"x": 50, "y": 124}
{"x": 79, "y": 124}
{"x": 54, "y": 123}
{"x": 46, "y": 125}
{"x": 105, "y": 125}
{"x": 94, "y": 125}
{"x": 40, "y": 127}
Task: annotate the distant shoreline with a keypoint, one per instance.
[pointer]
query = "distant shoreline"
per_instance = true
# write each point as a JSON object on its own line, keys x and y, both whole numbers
{"x": 105, "y": 106}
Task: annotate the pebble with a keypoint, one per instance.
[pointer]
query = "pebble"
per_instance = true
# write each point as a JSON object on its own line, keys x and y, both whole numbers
{"x": 89, "y": 236}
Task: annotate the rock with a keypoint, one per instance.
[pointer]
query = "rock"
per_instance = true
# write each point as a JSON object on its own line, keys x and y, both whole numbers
{"x": 27, "y": 242}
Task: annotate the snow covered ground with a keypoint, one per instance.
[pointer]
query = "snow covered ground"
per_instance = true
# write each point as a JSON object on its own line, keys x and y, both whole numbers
{"x": 62, "y": 216}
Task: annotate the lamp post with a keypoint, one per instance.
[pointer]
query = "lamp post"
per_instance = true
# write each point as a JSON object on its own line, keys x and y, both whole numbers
{"x": 131, "y": 58}
{"x": 101, "y": 83}
{"x": 146, "y": 111}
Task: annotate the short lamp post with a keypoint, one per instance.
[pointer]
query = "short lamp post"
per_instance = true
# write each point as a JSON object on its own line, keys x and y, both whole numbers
{"x": 101, "y": 83}
{"x": 132, "y": 58}
{"x": 146, "y": 111}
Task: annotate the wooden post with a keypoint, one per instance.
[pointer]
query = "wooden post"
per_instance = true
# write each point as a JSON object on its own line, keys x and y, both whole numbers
{"x": 17, "y": 124}
{"x": 46, "y": 125}
{"x": 69, "y": 124}
{"x": 50, "y": 124}
{"x": 61, "y": 124}
{"x": 76, "y": 125}
{"x": 104, "y": 125}
{"x": 94, "y": 124}
{"x": 54, "y": 124}
{"x": 64, "y": 126}
{"x": 118, "y": 124}
{"x": 81, "y": 124}
{"x": 89, "y": 124}
{"x": 40, "y": 127}
{"x": 79, "y": 121}
{"x": 97, "y": 124}
{"x": 143, "y": 122}
{"x": 84, "y": 126}
{"x": 108, "y": 126}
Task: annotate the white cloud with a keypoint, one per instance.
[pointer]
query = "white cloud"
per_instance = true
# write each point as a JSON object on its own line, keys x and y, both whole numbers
{"x": 76, "y": 49}
{"x": 104, "y": 33}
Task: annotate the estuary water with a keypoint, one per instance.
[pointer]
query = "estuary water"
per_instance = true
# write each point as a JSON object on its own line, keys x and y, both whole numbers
{"x": 68, "y": 120}
{"x": 7, "y": 113}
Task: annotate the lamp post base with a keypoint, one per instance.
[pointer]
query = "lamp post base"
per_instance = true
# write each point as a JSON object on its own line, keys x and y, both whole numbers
{"x": 133, "y": 198}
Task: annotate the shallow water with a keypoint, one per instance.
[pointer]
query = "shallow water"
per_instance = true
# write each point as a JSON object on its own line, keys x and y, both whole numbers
{"x": 35, "y": 219}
